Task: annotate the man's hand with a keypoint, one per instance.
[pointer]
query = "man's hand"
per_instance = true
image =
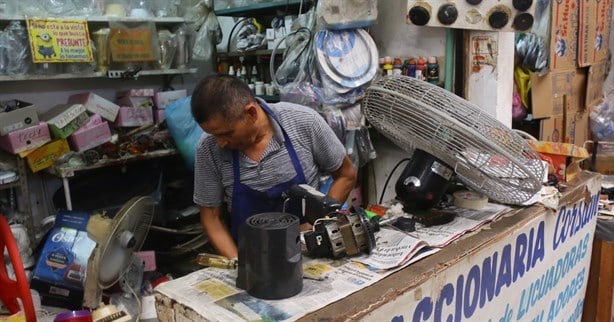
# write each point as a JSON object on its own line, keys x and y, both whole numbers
{"x": 217, "y": 231}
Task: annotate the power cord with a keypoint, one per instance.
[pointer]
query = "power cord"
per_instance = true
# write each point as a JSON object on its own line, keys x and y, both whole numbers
{"x": 388, "y": 179}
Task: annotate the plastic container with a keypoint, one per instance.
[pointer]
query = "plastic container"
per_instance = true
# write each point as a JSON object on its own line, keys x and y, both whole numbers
{"x": 74, "y": 316}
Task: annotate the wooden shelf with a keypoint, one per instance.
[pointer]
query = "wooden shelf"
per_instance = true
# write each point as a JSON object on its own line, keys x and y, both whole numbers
{"x": 267, "y": 8}
{"x": 158, "y": 20}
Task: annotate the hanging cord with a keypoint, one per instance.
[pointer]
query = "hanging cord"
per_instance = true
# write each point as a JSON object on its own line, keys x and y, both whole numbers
{"x": 388, "y": 179}
{"x": 306, "y": 46}
{"x": 233, "y": 30}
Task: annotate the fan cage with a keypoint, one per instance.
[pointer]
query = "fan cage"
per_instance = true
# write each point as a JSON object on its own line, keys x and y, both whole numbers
{"x": 485, "y": 154}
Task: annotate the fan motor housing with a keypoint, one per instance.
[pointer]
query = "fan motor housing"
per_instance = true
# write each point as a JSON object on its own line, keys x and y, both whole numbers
{"x": 270, "y": 260}
{"x": 423, "y": 182}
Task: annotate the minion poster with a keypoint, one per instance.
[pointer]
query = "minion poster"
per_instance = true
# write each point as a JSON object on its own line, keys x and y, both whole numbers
{"x": 59, "y": 41}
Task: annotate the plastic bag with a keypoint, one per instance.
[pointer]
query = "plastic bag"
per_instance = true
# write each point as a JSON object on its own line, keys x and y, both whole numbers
{"x": 602, "y": 121}
{"x": 184, "y": 129}
{"x": 209, "y": 35}
{"x": 14, "y": 41}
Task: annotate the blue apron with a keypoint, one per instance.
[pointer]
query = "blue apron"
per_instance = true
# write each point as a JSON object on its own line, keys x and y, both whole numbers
{"x": 246, "y": 201}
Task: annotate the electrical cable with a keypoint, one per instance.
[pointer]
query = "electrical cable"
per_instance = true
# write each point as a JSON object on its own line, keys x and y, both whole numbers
{"x": 388, "y": 179}
{"x": 232, "y": 31}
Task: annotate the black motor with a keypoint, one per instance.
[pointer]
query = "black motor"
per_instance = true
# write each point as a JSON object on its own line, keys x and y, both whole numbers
{"x": 270, "y": 265}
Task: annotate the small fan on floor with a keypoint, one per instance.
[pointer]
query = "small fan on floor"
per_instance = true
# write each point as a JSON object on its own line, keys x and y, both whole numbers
{"x": 113, "y": 259}
{"x": 449, "y": 136}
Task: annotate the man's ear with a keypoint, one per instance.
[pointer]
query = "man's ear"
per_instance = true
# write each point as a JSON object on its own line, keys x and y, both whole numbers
{"x": 251, "y": 111}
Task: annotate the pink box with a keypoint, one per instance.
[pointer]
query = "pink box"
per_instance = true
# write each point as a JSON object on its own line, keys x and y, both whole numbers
{"x": 92, "y": 134}
{"x": 159, "y": 116}
{"x": 26, "y": 139}
{"x": 134, "y": 116}
{"x": 135, "y": 101}
{"x": 163, "y": 99}
{"x": 136, "y": 92}
{"x": 96, "y": 104}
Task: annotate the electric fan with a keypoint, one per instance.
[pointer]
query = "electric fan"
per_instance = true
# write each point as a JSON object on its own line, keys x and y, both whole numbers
{"x": 450, "y": 136}
{"x": 116, "y": 240}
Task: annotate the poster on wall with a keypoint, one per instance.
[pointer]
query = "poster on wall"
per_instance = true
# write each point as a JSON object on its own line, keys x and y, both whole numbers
{"x": 539, "y": 273}
{"x": 59, "y": 41}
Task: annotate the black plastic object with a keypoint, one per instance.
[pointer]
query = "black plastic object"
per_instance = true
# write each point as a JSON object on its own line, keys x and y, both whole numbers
{"x": 423, "y": 181}
{"x": 498, "y": 19}
{"x": 447, "y": 14}
{"x": 474, "y": 2}
{"x": 270, "y": 265}
{"x": 522, "y": 5}
{"x": 419, "y": 15}
{"x": 523, "y": 21}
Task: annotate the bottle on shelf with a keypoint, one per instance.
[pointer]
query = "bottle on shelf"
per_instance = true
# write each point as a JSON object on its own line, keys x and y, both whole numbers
{"x": 231, "y": 70}
{"x": 432, "y": 71}
{"x": 254, "y": 77}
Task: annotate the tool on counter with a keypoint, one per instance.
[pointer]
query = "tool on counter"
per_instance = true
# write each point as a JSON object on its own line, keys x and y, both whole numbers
{"x": 218, "y": 261}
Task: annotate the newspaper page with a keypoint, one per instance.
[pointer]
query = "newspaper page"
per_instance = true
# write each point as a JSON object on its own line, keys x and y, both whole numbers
{"x": 465, "y": 220}
{"x": 393, "y": 249}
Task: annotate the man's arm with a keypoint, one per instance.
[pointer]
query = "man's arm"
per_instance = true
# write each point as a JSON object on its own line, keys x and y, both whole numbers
{"x": 343, "y": 180}
{"x": 210, "y": 218}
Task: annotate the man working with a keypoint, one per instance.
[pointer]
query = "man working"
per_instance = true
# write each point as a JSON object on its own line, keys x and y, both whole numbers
{"x": 256, "y": 152}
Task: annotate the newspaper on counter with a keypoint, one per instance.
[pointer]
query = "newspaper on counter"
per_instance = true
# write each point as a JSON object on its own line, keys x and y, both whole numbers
{"x": 211, "y": 292}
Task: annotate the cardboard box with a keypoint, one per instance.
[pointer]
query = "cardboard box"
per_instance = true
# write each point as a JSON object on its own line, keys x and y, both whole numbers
{"x": 45, "y": 156}
{"x": 134, "y": 116}
{"x": 96, "y": 104}
{"x": 159, "y": 116}
{"x": 26, "y": 139}
{"x": 92, "y": 134}
{"x": 552, "y": 129}
{"x": 135, "y": 101}
{"x": 64, "y": 119}
{"x": 604, "y": 158}
{"x": 60, "y": 270}
{"x": 594, "y": 86}
{"x": 24, "y": 115}
{"x": 564, "y": 35}
{"x": 547, "y": 93}
{"x": 164, "y": 99}
{"x": 136, "y": 92}
{"x": 594, "y": 31}
{"x": 564, "y": 158}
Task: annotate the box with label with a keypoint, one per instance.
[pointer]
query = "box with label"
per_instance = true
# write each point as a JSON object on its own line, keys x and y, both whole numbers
{"x": 136, "y": 92}
{"x": 96, "y": 104}
{"x": 44, "y": 157}
{"x": 564, "y": 35}
{"x": 163, "y": 99}
{"x": 64, "y": 119}
{"x": 15, "y": 115}
{"x": 135, "y": 101}
{"x": 60, "y": 270}
{"x": 134, "y": 116}
{"x": 92, "y": 134}
{"x": 26, "y": 138}
{"x": 594, "y": 31}
{"x": 552, "y": 129}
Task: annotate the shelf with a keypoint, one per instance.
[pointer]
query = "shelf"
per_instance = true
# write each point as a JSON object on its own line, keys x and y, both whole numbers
{"x": 161, "y": 20}
{"x": 95, "y": 75}
{"x": 268, "y": 8}
{"x": 259, "y": 52}
{"x": 69, "y": 171}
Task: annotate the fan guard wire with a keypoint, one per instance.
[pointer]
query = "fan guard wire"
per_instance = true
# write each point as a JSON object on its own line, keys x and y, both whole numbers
{"x": 485, "y": 154}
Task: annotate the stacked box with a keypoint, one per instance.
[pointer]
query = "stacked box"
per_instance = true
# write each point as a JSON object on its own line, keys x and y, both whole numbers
{"x": 92, "y": 134}
{"x": 64, "y": 119}
{"x": 96, "y": 105}
{"x": 24, "y": 116}
{"x": 25, "y": 139}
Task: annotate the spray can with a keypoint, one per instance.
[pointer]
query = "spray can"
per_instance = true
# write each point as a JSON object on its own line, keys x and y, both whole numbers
{"x": 412, "y": 68}
{"x": 421, "y": 69}
{"x": 432, "y": 73}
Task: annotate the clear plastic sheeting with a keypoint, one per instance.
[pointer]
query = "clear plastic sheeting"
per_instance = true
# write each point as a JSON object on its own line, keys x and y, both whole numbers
{"x": 602, "y": 115}
{"x": 207, "y": 37}
{"x": 15, "y": 55}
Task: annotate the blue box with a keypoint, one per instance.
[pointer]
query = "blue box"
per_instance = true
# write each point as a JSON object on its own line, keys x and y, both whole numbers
{"x": 59, "y": 274}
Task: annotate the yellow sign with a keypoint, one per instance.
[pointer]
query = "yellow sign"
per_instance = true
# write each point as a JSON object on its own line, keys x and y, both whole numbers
{"x": 131, "y": 45}
{"x": 59, "y": 41}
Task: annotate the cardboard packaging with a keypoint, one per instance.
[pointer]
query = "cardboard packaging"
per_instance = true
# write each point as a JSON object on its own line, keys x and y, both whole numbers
{"x": 64, "y": 119}
{"x": 163, "y": 99}
{"x": 547, "y": 92}
{"x": 564, "y": 35}
{"x": 23, "y": 116}
{"x": 594, "y": 86}
{"x": 44, "y": 157}
{"x": 25, "y": 139}
{"x": 59, "y": 273}
{"x": 159, "y": 116}
{"x": 135, "y": 101}
{"x": 92, "y": 134}
{"x": 563, "y": 158}
{"x": 136, "y": 92}
{"x": 604, "y": 158}
{"x": 594, "y": 31}
{"x": 134, "y": 116}
{"x": 96, "y": 105}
